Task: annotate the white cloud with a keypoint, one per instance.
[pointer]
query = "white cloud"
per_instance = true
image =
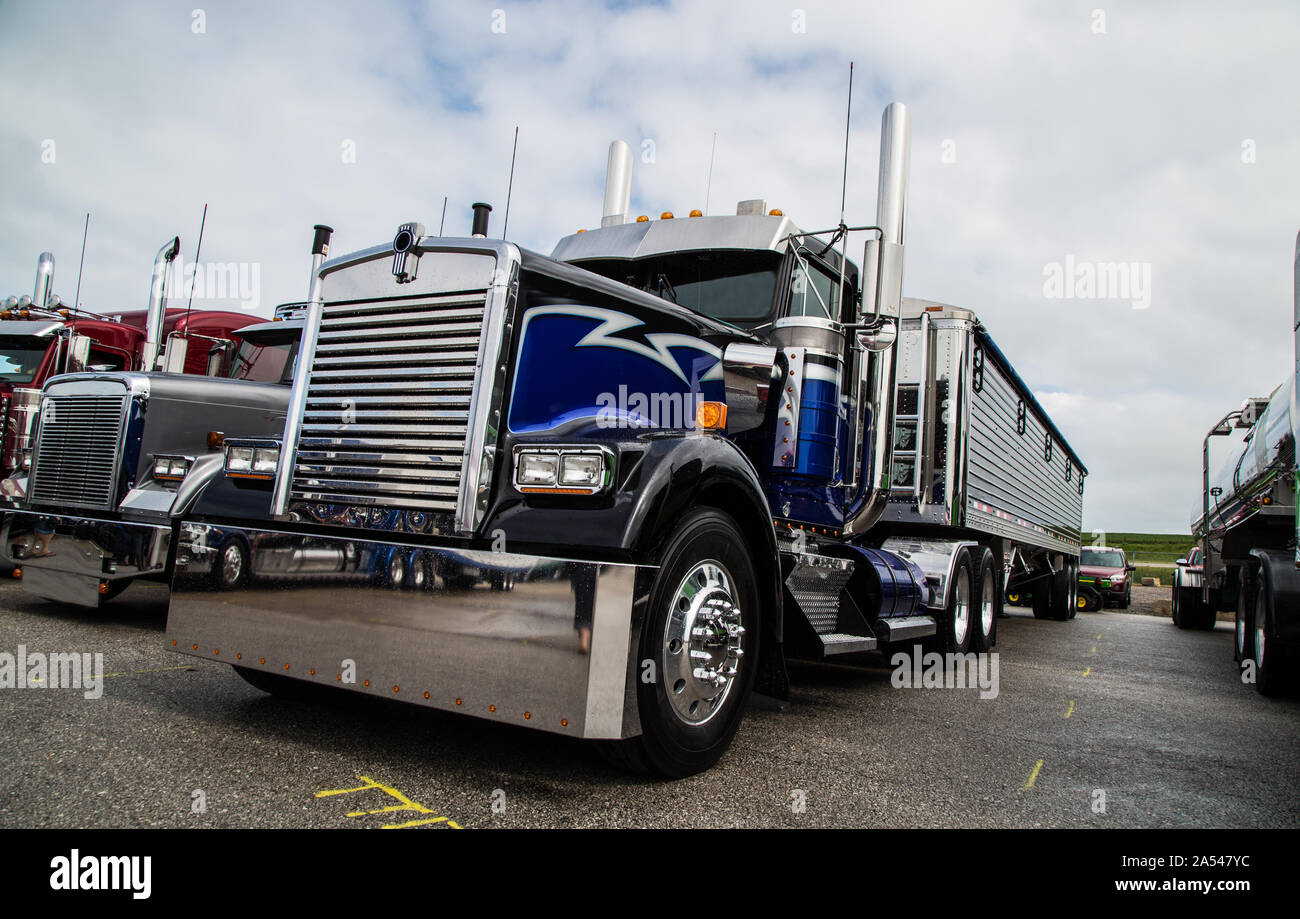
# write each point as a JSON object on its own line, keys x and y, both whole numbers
{"x": 1124, "y": 146}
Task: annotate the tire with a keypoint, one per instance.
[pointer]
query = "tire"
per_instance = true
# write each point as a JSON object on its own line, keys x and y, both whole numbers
{"x": 502, "y": 581}
{"x": 392, "y": 573}
{"x": 989, "y": 603}
{"x": 706, "y": 575}
{"x": 419, "y": 573}
{"x": 958, "y": 623}
{"x": 1042, "y": 598}
{"x": 1274, "y": 674}
{"x": 1065, "y": 585}
{"x": 230, "y": 567}
{"x": 1186, "y": 608}
{"x": 1128, "y": 598}
{"x": 1243, "y": 626}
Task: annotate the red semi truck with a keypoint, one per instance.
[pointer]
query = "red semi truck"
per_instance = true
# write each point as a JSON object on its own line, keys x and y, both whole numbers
{"x": 41, "y": 337}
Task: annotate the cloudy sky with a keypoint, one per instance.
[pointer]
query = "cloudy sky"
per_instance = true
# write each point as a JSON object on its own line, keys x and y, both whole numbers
{"x": 1046, "y": 137}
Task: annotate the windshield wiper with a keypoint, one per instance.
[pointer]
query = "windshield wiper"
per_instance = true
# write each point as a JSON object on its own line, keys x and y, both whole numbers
{"x": 664, "y": 286}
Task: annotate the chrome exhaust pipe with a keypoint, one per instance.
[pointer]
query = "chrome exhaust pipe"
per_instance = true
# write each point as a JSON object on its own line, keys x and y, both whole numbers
{"x": 618, "y": 185}
{"x": 320, "y": 247}
{"x": 44, "y": 279}
{"x": 157, "y": 314}
{"x": 882, "y": 298}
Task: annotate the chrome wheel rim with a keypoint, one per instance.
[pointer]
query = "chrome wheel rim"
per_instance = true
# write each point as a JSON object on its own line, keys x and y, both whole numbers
{"x": 418, "y": 575}
{"x": 961, "y": 608}
{"x": 396, "y": 571}
{"x": 232, "y": 564}
{"x": 702, "y": 643}
{"x": 987, "y": 608}
{"x": 1259, "y": 642}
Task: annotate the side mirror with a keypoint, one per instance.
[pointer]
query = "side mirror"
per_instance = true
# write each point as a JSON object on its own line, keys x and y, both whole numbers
{"x": 880, "y": 338}
{"x": 78, "y": 353}
{"x": 1132, "y": 567}
{"x": 217, "y": 361}
{"x": 747, "y": 373}
{"x": 1181, "y": 562}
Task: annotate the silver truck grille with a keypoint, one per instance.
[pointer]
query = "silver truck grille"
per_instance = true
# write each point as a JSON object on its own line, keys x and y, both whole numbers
{"x": 76, "y": 451}
{"x": 387, "y": 408}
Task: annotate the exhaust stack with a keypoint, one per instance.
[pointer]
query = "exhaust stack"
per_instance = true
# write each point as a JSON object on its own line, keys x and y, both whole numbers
{"x": 44, "y": 280}
{"x": 882, "y": 295}
{"x": 480, "y": 226}
{"x": 158, "y": 304}
{"x": 320, "y": 247}
{"x": 618, "y": 185}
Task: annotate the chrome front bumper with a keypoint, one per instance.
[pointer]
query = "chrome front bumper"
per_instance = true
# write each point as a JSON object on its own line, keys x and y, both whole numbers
{"x": 322, "y": 609}
{"x": 85, "y": 552}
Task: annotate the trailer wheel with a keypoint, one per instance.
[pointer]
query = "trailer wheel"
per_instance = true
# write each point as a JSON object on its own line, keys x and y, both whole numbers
{"x": 958, "y": 625}
{"x": 1065, "y": 585}
{"x": 1273, "y": 672}
{"x": 1243, "y": 639}
{"x": 1042, "y": 597}
{"x": 701, "y": 633}
{"x": 990, "y": 603}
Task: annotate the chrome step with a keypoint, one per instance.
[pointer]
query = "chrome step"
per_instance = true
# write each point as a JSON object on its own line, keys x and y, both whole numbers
{"x": 905, "y": 628}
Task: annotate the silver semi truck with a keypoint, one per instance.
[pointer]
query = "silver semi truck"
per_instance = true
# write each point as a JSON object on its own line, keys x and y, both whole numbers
{"x": 706, "y": 443}
{"x": 1247, "y": 530}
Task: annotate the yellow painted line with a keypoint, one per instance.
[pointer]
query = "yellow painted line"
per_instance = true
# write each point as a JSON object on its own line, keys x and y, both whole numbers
{"x": 1088, "y": 671}
{"x": 1094, "y": 650}
{"x": 1099, "y": 635}
{"x": 1033, "y": 776}
{"x": 404, "y": 804}
{"x": 1070, "y": 711}
{"x": 154, "y": 670}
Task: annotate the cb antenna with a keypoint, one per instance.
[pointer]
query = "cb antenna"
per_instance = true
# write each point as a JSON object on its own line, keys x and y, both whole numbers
{"x": 511, "y": 187}
{"x": 197, "y": 249}
{"x": 848, "y": 116}
{"x": 442, "y": 225}
{"x": 76, "y": 299}
{"x": 708, "y": 185}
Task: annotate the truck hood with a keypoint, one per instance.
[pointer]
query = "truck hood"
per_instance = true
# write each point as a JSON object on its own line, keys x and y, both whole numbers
{"x": 1093, "y": 571}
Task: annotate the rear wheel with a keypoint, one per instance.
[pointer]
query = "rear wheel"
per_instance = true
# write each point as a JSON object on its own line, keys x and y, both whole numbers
{"x": 701, "y": 633}
{"x": 989, "y": 591}
{"x": 1273, "y": 671}
{"x": 1065, "y": 586}
{"x": 1243, "y": 640}
{"x": 958, "y": 622}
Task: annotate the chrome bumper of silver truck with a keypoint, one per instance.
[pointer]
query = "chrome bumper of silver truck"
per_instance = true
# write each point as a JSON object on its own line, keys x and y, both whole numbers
{"x": 83, "y": 554}
{"x": 508, "y": 655}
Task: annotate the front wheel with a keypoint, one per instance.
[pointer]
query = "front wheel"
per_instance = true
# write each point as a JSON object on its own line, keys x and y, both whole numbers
{"x": 701, "y": 634}
{"x": 1243, "y": 627}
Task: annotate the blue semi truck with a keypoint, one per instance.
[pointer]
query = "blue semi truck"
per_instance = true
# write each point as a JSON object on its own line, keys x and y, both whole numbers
{"x": 681, "y": 450}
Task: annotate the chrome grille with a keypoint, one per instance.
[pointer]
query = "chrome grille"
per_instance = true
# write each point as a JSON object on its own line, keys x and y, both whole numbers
{"x": 387, "y": 410}
{"x": 76, "y": 450}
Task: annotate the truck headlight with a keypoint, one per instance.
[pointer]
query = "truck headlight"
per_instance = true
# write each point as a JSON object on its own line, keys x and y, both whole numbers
{"x": 168, "y": 467}
{"x": 252, "y": 459}
{"x": 577, "y": 470}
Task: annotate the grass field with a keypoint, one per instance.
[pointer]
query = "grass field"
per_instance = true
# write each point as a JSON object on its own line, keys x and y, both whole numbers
{"x": 1153, "y": 553}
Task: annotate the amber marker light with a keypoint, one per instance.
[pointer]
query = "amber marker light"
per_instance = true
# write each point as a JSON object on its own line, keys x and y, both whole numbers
{"x": 666, "y": 215}
{"x": 215, "y": 439}
{"x": 642, "y": 219}
{"x": 697, "y": 212}
{"x": 711, "y": 416}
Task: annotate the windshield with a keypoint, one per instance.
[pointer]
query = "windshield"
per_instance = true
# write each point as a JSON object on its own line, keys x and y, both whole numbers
{"x": 1098, "y": 558}
{"x": 20, "y": 357}
{"x": 264, "y": 363}
{"x": 734, "y": 286}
